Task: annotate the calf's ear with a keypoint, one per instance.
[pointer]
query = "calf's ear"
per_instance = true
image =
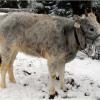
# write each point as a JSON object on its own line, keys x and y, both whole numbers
{"x": 79, "y": 35}
{"x": 77, "y": 25}
{"x": 77, "y": 21}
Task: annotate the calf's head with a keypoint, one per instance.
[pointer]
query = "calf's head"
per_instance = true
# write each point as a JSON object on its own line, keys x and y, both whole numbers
{"x": 89, "y": 29}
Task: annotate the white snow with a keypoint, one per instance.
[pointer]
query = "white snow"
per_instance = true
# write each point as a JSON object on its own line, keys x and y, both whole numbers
{"x": 33, "y": 85}
{"x": 2, "y": 13}
{"x": 88, "y": 67}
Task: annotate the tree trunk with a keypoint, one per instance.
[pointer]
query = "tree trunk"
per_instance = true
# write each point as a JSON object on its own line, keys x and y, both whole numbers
{"x": 6, "y": 10}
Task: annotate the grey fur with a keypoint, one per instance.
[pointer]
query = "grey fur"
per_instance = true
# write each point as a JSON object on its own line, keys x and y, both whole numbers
{"x": 51, "y": 37}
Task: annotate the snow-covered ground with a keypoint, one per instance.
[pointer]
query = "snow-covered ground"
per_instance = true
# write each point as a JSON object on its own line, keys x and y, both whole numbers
{"x": 81, "y": 79}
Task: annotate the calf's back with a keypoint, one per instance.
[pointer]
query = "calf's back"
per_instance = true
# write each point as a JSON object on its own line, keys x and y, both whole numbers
{"x": 34, "y": 33}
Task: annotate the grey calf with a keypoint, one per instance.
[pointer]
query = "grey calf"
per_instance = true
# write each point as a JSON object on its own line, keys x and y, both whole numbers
{"x": 55, "y": 38}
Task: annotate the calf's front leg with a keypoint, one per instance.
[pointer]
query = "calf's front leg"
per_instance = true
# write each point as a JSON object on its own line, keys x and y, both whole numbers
{"x": 52, "y": 77}
{"x": 61, "y": 76}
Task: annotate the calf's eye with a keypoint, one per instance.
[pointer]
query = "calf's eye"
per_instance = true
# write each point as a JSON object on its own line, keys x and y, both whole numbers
{"x": 91, "y": 29}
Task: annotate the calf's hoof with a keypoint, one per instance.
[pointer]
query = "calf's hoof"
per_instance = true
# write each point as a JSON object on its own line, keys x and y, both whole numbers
{"x": 57, "y": 78}
{"x": 2, "y": 85}
{"x": 13, "y": 80}
{"x": 52, "y": 96}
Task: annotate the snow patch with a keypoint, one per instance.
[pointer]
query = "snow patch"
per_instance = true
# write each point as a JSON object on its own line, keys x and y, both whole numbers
{"x": 81, "y": 80}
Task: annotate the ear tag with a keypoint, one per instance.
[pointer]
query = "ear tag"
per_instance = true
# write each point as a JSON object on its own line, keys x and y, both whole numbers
{"x": 77, "y": 25}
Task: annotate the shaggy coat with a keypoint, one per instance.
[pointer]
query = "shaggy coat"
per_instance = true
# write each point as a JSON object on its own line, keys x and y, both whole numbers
{"x": 55, "y": 38}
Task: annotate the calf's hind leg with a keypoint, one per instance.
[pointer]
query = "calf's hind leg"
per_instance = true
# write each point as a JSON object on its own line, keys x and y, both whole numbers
{"x": 10, "y": 68}
{"x": 0, "y": 63}
{"x": 3, "y": 75}
{"x": 6, "y": 57}
{"x": 4, "y": 66}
